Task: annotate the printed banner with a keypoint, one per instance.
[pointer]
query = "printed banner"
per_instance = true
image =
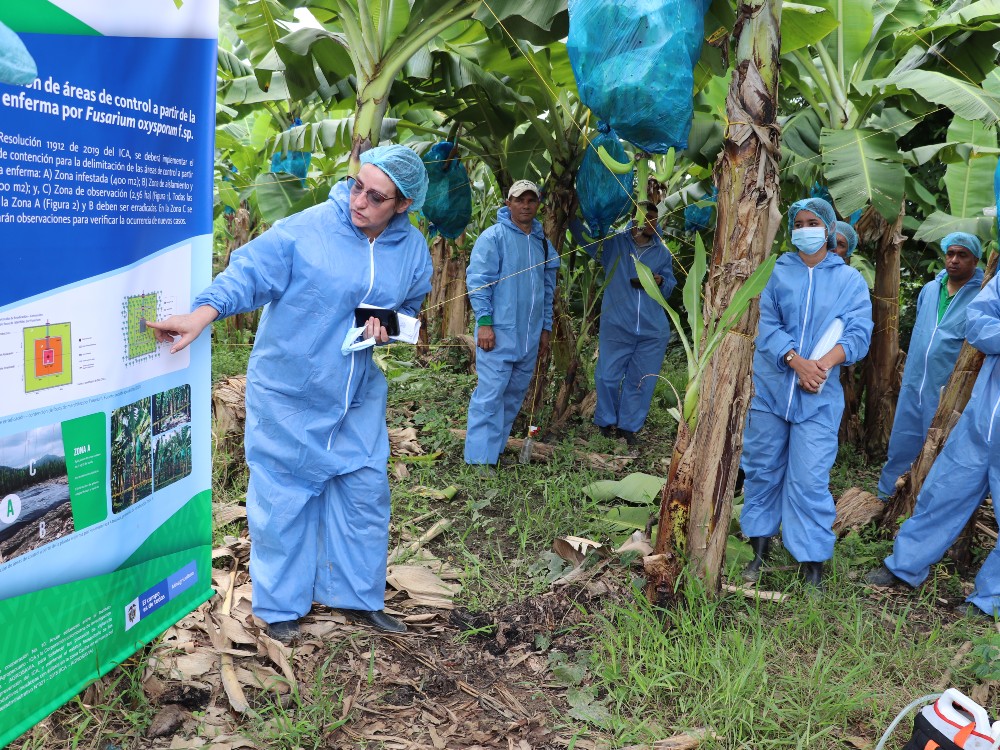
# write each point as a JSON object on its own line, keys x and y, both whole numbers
{"x": 106, "y": 148}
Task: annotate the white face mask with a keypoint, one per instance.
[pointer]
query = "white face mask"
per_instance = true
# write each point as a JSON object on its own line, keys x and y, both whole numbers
{"x": 351, "y": 343}
{"x": 809, "y": 240}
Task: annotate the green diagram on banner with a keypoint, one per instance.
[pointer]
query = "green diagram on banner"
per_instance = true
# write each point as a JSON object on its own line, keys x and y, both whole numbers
{"x": 138, "y": 310}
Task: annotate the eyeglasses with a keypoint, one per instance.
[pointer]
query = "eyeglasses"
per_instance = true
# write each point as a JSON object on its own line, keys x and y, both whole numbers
{"x": 374, "y": 196}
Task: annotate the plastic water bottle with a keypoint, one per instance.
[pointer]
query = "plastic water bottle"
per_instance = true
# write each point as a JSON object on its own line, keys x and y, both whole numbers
{"x": 528, "y": 445}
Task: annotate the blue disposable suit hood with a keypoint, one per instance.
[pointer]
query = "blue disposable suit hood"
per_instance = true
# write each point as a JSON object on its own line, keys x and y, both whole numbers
{"x": 503, "y": 217}
{"x": 831, "y": 259}
{"x": 340, "y": 197}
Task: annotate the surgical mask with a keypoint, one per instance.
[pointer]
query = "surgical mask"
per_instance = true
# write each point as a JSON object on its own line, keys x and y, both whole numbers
{"x": 351, "y": 343}
{"x": 809, "y": 240}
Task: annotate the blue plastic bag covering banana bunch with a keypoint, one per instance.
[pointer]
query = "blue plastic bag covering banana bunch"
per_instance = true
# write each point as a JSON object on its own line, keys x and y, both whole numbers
{"x": 448, "y": 206}
{"x": 17, "y": 67}
{"x": 293, "y": 162}
{"x": 604, "y": 196}
{"x": 634, "y": 65}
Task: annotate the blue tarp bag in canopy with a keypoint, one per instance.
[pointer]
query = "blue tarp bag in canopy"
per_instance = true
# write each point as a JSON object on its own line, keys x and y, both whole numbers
{"x": 634, "y": 65}
{"x": 293, "y": 162}
{"x": 698, "y": 216}
{"x": 448, "y": 206}
{"x": 604, "y": 196}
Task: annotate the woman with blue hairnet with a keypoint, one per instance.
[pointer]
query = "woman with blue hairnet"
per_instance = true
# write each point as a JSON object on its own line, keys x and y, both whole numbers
{"x": 938, "y": 335}
{"x": 316, "y": 439}
{"x": 812, "y": 300}
{"x": 847, "y": 241}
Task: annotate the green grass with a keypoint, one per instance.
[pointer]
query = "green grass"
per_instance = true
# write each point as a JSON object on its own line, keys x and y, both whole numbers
{"x": 801, "y": 673}
{"x": 305, "y": 718}
{"x": 796, "y": 674}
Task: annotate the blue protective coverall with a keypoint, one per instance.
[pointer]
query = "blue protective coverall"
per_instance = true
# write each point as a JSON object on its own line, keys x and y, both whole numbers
{"x": 316, "y": 438}
{"x": 967, "y": 468}
{"x": 512, "y": 278}
{"x": 634, "y": 329}
{"x": 791, "y": 438}
{"x": 934, "y": 348}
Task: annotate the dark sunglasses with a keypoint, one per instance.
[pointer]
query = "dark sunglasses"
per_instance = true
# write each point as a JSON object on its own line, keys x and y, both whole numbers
{"x": 374, "y": 196}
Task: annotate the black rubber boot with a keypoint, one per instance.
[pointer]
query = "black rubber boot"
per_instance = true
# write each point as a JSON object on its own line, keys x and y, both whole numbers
{"x": 740, "y": 478}
{"x": 285, "y": 631}
{"x": 881, "y": 576}
{"x": 760, "y": 545}
{"x": 378, "y": 619}
{"x": 812, "y": 575}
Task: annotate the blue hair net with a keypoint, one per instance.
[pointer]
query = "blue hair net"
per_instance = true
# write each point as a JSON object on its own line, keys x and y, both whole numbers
{"x": 823, "y": 210}
{"x": 849, "y": 234}
{"x": 963, "y": 239}
{"x": 404, "y": 168}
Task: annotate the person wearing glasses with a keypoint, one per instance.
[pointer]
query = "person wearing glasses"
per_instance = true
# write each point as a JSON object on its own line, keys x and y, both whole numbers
{"x": 511, "y": 280}
{"x": 316, "y": 439}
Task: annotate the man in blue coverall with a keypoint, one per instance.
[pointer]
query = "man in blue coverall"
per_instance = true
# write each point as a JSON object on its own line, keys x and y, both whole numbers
{"x": 937, "y": 338}
{"x": 634, "y": 329}
{"x": 316, "y": 438}
{"x": 966, "y": 470}
{"x": 511, "y": 280}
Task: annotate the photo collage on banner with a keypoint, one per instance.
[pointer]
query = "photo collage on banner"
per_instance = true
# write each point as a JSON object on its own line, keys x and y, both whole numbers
{"x": 107, "y": 115}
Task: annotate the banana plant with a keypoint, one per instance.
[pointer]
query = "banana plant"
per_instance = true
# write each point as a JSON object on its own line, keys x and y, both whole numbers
{"x": 704, "y": 336}
{"x": 967, "y": 181}
{"x": 869, "y": 70}
{"x": 370, "y": 42}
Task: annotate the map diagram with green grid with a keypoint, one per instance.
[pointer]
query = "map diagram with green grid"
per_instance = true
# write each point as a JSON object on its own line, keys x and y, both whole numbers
{"x": 140, "y": 342}
{"x": 48, "y": 360}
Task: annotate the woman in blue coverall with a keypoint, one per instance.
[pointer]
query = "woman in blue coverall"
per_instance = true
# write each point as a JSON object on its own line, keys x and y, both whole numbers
{"x": 316, "y": 438}
{"x": 791, "y": 438}
{"x": 847, "y": 241}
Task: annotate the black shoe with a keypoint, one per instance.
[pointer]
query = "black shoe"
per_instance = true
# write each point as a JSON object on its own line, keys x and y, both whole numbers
{"x": 378, "y": 619}
{"x": 486, "y": 470}
{"x": 630, "y": 439}
{"x": 760, "y": 545}
{"x": 608, "y": 431}
{"x": 812, "y": 575}
{"x": 970, "y": 610}
{"x": 882, "y": 576}
{"x": 285, "y": 631}
{"x": 740, "y": 478}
